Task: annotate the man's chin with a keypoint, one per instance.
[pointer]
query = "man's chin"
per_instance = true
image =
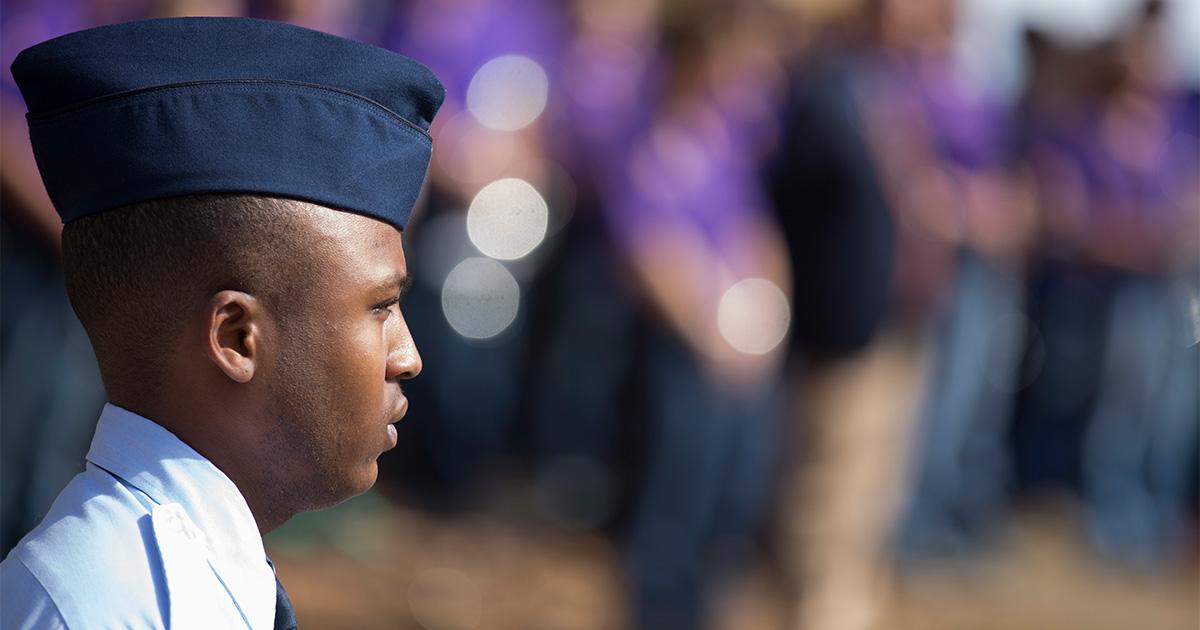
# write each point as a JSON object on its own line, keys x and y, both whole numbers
{"x": 369, "y": 477}
{"x": 349, "y": 488}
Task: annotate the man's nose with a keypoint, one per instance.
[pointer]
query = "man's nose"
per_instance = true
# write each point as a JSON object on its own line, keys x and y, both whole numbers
{"x": 403, "y": 361}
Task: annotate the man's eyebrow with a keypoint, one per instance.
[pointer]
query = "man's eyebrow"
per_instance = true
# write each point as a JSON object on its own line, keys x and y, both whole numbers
{"x": 401, "y": 282}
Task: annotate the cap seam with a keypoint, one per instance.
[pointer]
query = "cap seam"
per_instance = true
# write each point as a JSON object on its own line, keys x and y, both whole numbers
{"x": 61, "y": 113}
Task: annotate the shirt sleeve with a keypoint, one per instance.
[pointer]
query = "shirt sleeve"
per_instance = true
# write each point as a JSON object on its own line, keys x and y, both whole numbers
{"x": 24, "y": 602}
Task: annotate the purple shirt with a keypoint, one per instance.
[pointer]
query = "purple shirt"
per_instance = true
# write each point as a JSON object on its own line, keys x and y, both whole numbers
{"x": 454, "y": 38}
{"x": 697, "y": 166}
{"x": 1146, "y": 168}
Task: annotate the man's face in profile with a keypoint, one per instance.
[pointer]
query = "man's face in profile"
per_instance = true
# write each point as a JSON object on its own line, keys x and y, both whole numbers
{"x": 343, "y": 348}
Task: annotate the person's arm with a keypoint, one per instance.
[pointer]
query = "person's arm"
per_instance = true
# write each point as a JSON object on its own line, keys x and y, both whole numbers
{"x": 683, "y": 279}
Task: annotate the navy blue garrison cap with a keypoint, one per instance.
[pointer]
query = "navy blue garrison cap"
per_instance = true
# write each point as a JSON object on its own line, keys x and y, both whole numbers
{"x": 160, "y": 108}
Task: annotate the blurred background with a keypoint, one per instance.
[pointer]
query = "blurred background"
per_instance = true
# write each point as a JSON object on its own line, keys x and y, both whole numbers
{"x": 753, "y": 314}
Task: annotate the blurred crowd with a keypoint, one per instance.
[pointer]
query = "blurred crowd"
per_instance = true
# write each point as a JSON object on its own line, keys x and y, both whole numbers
{"x": 744, "y": 279}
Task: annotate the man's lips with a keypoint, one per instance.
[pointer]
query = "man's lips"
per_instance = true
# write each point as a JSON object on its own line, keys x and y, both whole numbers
{"x": 401, "y": 409}
{"x": 396, "y": 416}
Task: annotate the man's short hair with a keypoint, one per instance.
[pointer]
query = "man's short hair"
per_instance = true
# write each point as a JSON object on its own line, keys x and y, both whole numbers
{"x": 134, "y": 274}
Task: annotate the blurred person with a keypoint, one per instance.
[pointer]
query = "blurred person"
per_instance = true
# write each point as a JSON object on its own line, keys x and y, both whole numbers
{"x": 690, "y": 222}
{"x": 849, "y": 368}
{"x": 242, "y": 303}
{"x": 1137, "y": 454}
{"x": 826, "y": 190}
{"x": 1119, "y": 169}
{"x": 893, "y": 189}
{"x": 958, "y": 157}
{"x": 1066, "y": 291}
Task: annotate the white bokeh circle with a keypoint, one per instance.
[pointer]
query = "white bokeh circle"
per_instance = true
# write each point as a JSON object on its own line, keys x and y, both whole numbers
{"x": 507, "y": 219}
{"x": 480, "y": 298}
{"x": 508, "y": 92}
{"x": 754, "y": 315}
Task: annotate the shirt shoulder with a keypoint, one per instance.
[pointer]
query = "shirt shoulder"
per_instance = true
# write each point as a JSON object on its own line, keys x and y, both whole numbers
{"x": 24, "y": 602}
{"x": 95, "y": 557}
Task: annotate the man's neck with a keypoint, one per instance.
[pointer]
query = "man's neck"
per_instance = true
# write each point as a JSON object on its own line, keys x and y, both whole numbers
{"x": 226, "y": 439}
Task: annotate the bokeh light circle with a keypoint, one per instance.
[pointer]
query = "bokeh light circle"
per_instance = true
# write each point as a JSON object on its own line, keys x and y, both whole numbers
{"x": 480, "y": 298}
{"x": 508, "y": 92}
{"x": 753, "y": 316}
{"x": 507, "y": 219}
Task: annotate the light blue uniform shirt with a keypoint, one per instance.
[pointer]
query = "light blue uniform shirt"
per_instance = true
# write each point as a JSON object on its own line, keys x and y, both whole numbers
{"x": 150, "y": 535}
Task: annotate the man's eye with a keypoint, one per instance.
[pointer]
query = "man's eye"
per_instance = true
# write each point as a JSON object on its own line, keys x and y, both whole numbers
{"x": 390, "y": 305}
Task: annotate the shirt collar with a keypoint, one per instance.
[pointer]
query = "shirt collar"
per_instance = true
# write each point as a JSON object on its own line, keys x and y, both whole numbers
{"x": 155, "y": 461}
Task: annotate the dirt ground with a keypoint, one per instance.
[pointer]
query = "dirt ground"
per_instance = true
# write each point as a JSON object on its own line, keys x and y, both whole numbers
{"x": 371, "y": 565}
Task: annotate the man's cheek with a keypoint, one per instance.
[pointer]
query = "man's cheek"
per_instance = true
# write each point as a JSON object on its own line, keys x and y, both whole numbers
{"x": 361, "y": 365}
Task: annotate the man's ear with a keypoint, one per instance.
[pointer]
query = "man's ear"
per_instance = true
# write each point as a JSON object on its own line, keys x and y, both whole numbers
{"x": 234, "y": 322}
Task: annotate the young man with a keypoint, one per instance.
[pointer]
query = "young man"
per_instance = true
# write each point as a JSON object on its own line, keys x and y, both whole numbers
{"x": 233, "y": 192}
